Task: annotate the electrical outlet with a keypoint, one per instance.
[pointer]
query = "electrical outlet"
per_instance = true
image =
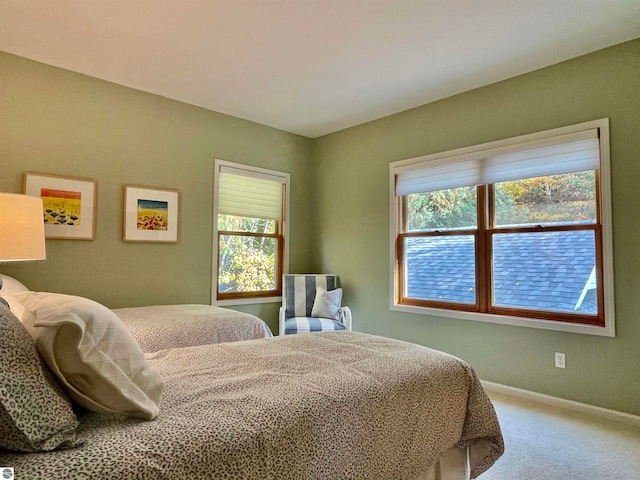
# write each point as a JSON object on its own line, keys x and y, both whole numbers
{"x": 560, "y": 360}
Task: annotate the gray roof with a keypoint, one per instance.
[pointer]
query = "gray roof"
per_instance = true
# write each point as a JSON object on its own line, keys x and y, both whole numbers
{"x": 544, "y": 271}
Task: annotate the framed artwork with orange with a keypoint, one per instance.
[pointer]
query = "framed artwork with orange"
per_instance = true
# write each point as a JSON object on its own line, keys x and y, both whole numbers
{"x": 68, "y": 204}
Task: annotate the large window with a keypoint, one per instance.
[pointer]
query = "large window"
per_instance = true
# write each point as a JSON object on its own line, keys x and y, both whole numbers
{"x": 250, "y": 225}
{"x": 516, "y": 231}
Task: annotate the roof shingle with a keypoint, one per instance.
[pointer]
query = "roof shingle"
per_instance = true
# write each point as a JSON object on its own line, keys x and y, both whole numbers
{"x": 541, "y": 270}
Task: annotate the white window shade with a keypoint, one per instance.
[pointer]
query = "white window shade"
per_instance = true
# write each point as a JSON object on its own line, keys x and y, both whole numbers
{"x": 248, "y": 194}
{"x": 440, "y": 175}
{"x": 572, "y": 152}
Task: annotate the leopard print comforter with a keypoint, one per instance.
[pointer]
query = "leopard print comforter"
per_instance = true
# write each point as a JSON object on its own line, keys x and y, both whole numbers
{"x": 329, "y": 405}
{"x": 169, "y": 326}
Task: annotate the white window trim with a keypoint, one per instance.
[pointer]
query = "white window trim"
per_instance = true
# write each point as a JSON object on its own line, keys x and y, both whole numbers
{"x": 285, "y": 231}
{"x": 607, "y": 235}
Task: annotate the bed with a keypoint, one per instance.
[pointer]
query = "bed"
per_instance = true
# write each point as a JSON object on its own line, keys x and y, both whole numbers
{"x": 329, "y": 405}
{"x": 171, "y": 326}
{"x": 163, "y": 326}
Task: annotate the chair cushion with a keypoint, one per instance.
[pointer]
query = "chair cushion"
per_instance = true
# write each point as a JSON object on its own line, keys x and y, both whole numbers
{"x": 310, "y": 324}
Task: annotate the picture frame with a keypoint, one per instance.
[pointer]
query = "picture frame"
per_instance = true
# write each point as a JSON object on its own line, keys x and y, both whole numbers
{"x": 150, "y": 214}
{"x": 69, "y": 204}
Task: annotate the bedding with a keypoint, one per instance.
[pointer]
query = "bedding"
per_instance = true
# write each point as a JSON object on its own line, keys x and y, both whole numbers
{"x": 26, "y": 386}
{"x": 169, "y": 326}
{"x": 331, "y": 405}
{"x": 11, "y": 286}
{"x": 91, "y": 352}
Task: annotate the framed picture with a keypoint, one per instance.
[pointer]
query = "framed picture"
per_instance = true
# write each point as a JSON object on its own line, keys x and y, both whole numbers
{"x": 69, "y": 204}
{"x": 150, "y": 214}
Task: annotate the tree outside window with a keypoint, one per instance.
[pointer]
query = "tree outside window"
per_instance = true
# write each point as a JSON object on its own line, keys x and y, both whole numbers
{"x": 248, "y": 252}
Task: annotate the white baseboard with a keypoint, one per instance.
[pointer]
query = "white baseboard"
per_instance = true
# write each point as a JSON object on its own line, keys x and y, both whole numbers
{"x": 613, "y": 415}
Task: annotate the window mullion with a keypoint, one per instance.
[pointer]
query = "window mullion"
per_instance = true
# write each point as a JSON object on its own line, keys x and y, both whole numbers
{"x": 237, "y": 233}
{"x": 483, "y": 260}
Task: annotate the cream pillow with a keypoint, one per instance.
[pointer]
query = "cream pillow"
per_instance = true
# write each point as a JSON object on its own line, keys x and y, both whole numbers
{"x": 92, "y": 354}
{"x": 10, "y": 286}
{"x": 16, "y": 307}
{"x": 327, "y": 304}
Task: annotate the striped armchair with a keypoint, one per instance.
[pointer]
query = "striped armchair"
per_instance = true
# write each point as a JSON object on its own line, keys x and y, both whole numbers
{"x": 312, "y": 303}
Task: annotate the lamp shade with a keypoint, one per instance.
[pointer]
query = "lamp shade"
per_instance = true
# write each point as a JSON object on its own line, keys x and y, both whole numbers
{"x": 21, "y": 228}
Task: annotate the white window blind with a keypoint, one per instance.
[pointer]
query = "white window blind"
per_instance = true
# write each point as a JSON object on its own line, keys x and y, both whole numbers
{"x": 571, "y": 152}
{"x": 249, "y": 194}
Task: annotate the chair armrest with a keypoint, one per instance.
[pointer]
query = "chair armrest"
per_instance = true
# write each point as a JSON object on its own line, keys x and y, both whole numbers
{"x": 281, "y": 320}
{"x": 345, "y": 317}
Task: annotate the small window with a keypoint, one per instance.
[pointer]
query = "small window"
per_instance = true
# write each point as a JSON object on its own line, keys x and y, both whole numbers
{"x": 250, "y": 227}
{"x": 511, "y": 231}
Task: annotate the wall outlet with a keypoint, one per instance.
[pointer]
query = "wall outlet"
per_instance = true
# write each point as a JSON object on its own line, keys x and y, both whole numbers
{"x": 560, "y": 360}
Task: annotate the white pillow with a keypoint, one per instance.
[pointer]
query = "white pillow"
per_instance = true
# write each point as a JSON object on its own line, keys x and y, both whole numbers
{"x": 14, "y": 305}
{"x": 92, "y": 354}
{"x": 11, "y": 286}
{"x": 327, "y": 304}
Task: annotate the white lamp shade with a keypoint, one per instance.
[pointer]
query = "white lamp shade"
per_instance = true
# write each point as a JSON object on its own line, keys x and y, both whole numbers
{"x": 21, "y": 228}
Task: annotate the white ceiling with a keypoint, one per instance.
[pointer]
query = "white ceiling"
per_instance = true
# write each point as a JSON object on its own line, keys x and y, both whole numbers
{"x": 310, "y": 67}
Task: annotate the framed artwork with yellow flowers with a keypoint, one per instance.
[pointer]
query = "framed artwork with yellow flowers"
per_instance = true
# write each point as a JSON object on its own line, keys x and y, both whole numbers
{"x": 150, "y": 214}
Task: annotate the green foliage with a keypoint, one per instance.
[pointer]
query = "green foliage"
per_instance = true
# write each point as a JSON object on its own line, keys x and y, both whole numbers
{"x": 455, "y": 208}
{"x": 568, "y": 197}
{"x": 245, "y": 268}
{"x": 246, "y": 263}
{"x": 231, "y": 223}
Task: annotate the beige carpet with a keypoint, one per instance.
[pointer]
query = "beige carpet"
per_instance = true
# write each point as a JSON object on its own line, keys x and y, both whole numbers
{"x": 549, "y": 443}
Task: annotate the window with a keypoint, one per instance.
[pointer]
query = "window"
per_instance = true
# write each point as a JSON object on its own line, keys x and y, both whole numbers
{"x": 250, "y": 233}
{"x": 516, "y": 231}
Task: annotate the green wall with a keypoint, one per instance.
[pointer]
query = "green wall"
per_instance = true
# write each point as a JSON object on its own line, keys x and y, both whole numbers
{"x": 56, "y": 121}
{"x": 353, "y": 222}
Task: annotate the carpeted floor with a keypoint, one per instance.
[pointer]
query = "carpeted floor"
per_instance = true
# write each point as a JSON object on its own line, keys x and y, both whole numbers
{"x": 549, "y": 443}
